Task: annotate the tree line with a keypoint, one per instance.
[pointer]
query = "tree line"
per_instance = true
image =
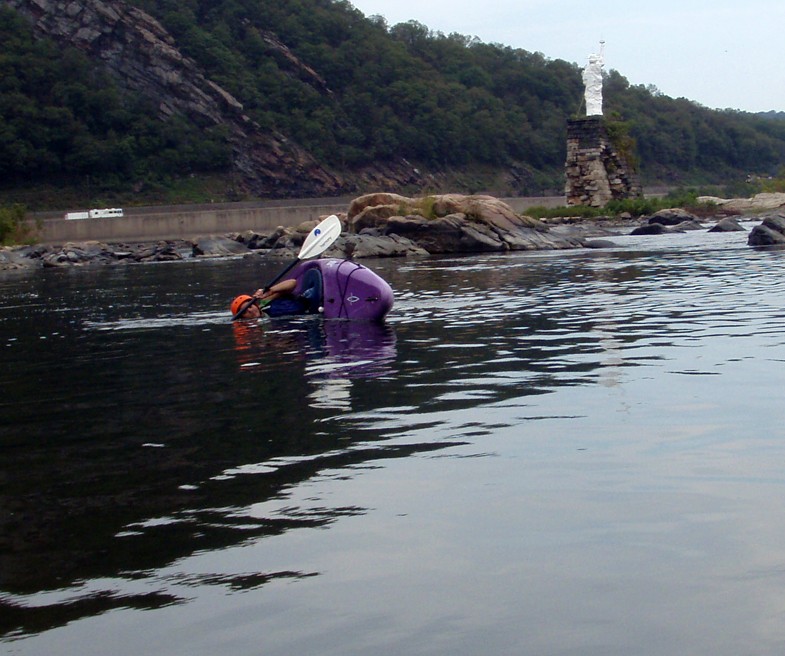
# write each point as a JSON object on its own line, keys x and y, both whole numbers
{"x": 352, "y": 90}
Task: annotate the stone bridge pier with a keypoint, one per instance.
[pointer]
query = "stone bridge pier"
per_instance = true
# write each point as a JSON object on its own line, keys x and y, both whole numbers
{"x": 595, "y": 171}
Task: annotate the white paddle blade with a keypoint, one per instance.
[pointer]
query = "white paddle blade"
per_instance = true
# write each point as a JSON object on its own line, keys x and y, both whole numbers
{"x": 321, "y": 237}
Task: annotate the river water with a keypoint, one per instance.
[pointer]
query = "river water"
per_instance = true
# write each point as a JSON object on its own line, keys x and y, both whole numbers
{"x": 539, "y": 453}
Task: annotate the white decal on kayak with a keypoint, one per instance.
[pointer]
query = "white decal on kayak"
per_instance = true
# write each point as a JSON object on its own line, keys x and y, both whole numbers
{"x": 352, "y": 299}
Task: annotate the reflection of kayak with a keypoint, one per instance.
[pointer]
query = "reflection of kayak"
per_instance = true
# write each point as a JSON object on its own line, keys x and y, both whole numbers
{"x": 359, "y": 349}
{"x": 349, "y": 290}
{"x": 332, "y": 350}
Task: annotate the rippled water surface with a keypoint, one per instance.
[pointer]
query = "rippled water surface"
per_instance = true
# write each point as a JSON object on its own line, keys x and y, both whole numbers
{"x": 538, "y": 453}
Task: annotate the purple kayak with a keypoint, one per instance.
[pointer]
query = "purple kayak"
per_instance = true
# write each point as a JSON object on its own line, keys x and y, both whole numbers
{"x": 349, "y": 290}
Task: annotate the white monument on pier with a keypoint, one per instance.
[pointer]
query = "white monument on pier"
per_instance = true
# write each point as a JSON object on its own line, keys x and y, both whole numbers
{"x": 592, "y": 80}
{"x": 598, "y": 168}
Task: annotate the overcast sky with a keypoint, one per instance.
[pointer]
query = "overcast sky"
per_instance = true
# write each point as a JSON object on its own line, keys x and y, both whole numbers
{"x": 719, "y": 53}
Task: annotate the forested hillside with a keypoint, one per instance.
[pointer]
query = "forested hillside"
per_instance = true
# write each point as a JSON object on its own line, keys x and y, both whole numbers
{"x": 62, "y": 116}
{"x": 354, "y": 93}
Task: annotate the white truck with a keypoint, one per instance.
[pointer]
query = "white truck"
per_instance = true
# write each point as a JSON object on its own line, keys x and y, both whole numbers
{"x": 106, "y": 213}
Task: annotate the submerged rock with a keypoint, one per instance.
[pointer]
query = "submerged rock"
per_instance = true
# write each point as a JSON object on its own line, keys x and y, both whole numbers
{"x": 728, "y": 224}
{"x": 769, "y": 233}
{"x": 663, "y": 226}
{"x": 673, "y": 217}
{"x": 650, "y": 229}
{"x": 12, "y": 258}
{"x": 600, "y": 243}
{"x": 217, "y": 246}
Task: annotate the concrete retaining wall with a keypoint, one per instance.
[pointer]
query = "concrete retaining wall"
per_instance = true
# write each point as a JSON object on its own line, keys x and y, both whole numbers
{"x": 179, "y": 225}
{"x": 143, "y": 225}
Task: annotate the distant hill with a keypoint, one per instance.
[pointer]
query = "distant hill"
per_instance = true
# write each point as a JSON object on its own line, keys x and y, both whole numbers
{"x": 778, "y": 116}
{"x": 277, "y": 98}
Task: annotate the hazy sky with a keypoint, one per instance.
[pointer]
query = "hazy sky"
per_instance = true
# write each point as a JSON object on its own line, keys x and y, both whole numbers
{"x": 719, "y": 53}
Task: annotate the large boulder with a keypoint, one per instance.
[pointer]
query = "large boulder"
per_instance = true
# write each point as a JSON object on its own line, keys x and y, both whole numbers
{"x": 758, "y": 203}
{"x": 771, "y": 232}
{"x": 454, "y": 223}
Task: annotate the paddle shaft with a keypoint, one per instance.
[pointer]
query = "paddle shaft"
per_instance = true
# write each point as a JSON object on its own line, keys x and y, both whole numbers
{"x": 281, "y": 275}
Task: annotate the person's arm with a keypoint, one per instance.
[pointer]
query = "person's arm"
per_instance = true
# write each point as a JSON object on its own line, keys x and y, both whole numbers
{"x": 276, "y": 291}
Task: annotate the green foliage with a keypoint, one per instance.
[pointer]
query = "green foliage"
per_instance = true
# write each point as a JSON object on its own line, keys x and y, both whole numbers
{"x": 771, "y": 184}
{"x": 622, "y": 141}
{"x": 14, "y": 229}
{"x": 427, "y": 207}
{"x": 633, "y": 206}
{"x": 572, "y": 211}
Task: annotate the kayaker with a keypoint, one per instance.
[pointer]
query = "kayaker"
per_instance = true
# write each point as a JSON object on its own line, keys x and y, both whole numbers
{"x": 280, "y": 299}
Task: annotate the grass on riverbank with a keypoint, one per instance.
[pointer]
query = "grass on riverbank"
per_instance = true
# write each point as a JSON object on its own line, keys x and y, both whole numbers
{"x": 635, "y": 207}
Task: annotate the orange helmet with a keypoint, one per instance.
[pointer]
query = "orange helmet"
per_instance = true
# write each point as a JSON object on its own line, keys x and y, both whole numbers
{"x": 241, "y": 301}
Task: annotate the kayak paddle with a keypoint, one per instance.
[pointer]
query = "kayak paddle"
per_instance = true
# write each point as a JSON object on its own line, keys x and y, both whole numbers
{"x": 317, "y": 241}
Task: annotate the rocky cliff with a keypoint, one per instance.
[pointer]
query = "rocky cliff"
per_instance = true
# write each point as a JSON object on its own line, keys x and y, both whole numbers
{"x": 144, "y": 57}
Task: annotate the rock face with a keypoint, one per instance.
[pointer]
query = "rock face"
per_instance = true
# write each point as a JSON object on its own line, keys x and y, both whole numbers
{"x": 769, "y": 233}
{"x": 453, "y": 223}
{"x": 137, "y": 50}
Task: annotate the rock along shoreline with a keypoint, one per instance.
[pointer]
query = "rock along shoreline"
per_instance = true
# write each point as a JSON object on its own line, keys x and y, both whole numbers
{"x": 390, "y": 225}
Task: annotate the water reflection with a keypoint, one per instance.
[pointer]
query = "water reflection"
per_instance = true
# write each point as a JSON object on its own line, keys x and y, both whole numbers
{"x": 334, "y": 353}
